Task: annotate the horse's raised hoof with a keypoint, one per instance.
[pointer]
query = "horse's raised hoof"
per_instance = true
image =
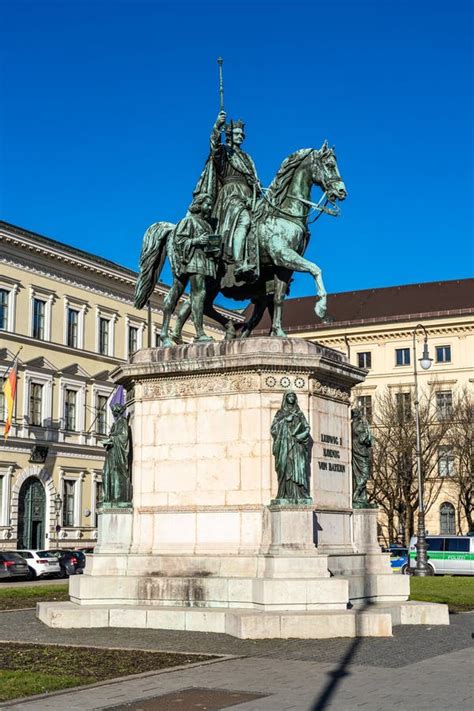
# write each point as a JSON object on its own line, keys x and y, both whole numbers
{"x": 203, "y": 339}
{"x": 320, "y": 309}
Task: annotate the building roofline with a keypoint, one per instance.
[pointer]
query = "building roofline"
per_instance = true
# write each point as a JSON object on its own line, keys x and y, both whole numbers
{"x": 380, "y": 320}
{"x": 81, "y": 254}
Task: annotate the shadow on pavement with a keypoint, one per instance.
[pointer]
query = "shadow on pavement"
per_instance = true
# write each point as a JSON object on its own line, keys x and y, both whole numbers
{"x": 342, "y": 669}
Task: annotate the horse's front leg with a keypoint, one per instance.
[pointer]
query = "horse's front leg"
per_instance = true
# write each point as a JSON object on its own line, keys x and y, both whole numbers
{"x": 284, "y": 256}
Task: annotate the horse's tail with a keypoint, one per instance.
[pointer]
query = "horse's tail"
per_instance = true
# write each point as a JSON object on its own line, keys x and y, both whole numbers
{"x": 152, "y": 258}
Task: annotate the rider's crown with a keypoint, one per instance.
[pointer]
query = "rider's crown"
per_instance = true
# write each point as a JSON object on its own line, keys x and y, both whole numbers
{"x": 234, "y": 124}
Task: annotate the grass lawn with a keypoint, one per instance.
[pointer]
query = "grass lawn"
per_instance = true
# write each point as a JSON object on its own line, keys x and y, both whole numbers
{"x": 27, "y": 669}
{"x": 455, "y": 591}
{"x": 21, "y": 597}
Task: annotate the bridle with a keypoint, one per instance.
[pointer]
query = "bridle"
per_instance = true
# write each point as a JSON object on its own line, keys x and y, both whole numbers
{"x": 320, "y": 207}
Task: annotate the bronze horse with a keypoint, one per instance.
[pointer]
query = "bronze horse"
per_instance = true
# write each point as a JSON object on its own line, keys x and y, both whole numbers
{"x": 280, "y": 221}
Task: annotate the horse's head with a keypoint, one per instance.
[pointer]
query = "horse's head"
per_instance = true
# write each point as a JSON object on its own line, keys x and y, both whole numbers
{"x": 326, "y": 173}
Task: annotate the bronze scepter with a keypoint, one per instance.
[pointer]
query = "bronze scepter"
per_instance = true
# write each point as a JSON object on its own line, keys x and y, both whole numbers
{"x": 220, "y": 61}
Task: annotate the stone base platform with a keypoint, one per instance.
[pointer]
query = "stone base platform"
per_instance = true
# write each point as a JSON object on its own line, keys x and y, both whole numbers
{"x": 374, "y": 621}
{"x": 413, "y": 612}
{"x": 241, "y": 623}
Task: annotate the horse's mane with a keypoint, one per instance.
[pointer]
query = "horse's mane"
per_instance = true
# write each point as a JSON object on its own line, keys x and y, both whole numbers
{"x": 279, "y": 186}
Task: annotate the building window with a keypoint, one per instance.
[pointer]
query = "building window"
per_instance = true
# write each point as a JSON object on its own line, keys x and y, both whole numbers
{"x": 2, "y": 405}
{"x": 402, "y": 356}
{"x": 157, "y": 339}
{"x": 36, "y": 405}
{"x": 72, "y": 328}
{"x": 4, "y": 295}
{"x": 447, "y": 519}
{"x": 444, "y": 404}
{"x": 69, "y": 488}
{"x": 70, "y": 410}
{"x": 445, "y": 461}
{"x": 443, "y": 354}
{"x": 132, "y": 339}
{"x": 104, "y": 332}
{"x": 364, "y": 403}
{"x": 101, "y": 414}
{"x": 364, "y": 360}
{"x": 403, "y": 404}
{"x": 39, "y": 308}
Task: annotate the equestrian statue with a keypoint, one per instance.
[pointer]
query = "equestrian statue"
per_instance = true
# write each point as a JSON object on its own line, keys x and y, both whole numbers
{"x": 239, "y": 239}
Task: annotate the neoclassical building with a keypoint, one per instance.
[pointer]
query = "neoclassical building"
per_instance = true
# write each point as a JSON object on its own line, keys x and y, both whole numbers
{"x": 71, "y": 313}
{"x": 374, "y": 327}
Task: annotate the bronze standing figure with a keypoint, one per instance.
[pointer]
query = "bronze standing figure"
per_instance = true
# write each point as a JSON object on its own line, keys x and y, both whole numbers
{"x": 291, "y": 442}
{"x": 116, "y": 474}
{"x": 361, "y": 459}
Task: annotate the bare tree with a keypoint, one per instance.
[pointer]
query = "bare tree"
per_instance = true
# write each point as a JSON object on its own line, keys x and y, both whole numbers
{"x": 394, "y": 485}
{"x": 462, "y": 444}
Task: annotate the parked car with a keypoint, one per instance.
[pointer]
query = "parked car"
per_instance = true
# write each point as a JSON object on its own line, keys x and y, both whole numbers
{"x": 398, "y": 556}
{"x": 12, "y": 565}
{"x": 40, "y": 563}
{"x": 68, "y": 560}
{"x": 81, "y": 559}
{"x": 447, "y": 555}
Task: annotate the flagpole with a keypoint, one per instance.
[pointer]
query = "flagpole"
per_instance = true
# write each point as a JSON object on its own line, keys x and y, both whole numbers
{"x": 13, "y": 362}
{"x": 10, "y": 414}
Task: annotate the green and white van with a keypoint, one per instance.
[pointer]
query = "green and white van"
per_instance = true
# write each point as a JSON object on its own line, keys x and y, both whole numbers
{"x": 447, "y": 555}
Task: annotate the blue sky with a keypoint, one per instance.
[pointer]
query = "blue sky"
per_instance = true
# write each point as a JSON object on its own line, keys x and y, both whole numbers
{"x": 106, "y": 108}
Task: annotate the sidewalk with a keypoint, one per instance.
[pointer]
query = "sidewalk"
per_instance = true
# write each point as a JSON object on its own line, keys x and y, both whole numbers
{"x": 419, "y": 668}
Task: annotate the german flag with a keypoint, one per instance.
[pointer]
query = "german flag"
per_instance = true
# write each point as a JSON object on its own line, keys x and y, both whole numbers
{"x": 9, "y": 388}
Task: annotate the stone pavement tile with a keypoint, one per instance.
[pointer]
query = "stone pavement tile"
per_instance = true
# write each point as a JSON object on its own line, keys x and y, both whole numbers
{"x": 303, "y": 686}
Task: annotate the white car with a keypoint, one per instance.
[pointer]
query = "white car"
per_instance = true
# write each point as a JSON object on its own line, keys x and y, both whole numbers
{"x": 40, "y": 563}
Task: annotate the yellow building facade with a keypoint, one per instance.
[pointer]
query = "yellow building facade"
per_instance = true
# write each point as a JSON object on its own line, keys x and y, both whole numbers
{"x": 374, "y": 327}
{"x": 70, "y": 317}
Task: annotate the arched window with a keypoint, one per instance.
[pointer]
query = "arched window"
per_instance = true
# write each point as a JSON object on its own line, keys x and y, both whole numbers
{"x": 447, "y": 518}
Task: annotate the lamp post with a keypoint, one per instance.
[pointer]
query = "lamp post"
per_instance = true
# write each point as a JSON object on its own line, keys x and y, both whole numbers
{"x": 422, "y": 567}
{"x": 58, "y": 502}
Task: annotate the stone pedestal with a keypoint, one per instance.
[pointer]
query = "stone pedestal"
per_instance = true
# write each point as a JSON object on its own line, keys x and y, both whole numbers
{"x": 207, "y": 550}
{"x": 114, "y": 534}
{"x": 365, "y": 530}
{"x": 368, "y": 570}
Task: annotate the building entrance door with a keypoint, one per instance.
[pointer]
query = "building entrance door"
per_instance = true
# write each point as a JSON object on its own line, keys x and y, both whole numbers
{"x": 31, "y": 514}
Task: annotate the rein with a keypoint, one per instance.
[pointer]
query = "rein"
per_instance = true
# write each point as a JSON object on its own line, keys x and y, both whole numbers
{"x": 335, "y": 210}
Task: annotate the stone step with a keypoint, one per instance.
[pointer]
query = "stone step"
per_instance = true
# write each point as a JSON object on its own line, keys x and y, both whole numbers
{"x": 270, "y": 594}
{"x": 412, "y": 612}
{"x": 241, "y": 623}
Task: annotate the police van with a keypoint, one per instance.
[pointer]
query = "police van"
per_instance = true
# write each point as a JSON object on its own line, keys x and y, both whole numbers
{"x": 447, "y": 555}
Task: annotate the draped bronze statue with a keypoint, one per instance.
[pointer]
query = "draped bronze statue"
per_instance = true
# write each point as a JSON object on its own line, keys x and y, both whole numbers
{"x": 264, "y": 233}
{"x": 361, "y": 459}
{"x": 291, "y": 446}
{"x": 116, "y": 474}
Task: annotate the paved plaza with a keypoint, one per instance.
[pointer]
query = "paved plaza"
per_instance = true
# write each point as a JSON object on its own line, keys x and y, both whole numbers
{"x": 420, "y": 667}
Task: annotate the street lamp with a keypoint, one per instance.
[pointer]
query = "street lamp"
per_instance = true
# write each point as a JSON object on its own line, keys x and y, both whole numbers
{"x": 58, "y": 502}
{"x": 422, "y": 567}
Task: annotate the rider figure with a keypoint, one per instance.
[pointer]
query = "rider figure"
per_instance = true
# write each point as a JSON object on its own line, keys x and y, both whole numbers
{"x": 235, "y": 188}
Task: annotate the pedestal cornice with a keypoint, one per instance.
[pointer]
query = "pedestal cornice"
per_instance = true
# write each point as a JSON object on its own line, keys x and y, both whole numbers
{"x": 237, "y": 361}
